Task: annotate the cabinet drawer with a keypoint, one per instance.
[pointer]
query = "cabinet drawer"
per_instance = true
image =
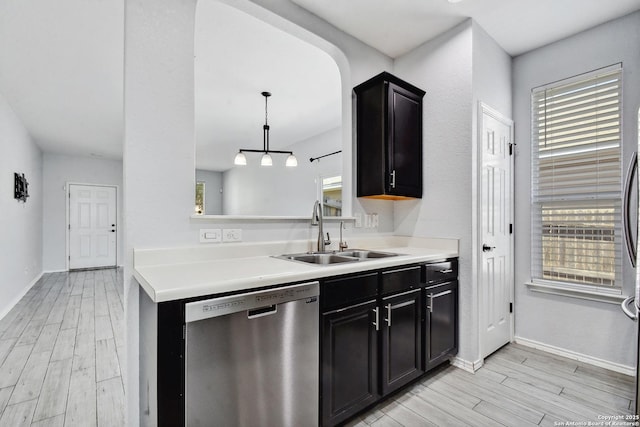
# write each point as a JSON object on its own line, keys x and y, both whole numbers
{"x": 347, "y": 290}
{"x": 401, "y": 279}
{"x": 441, "y": 271}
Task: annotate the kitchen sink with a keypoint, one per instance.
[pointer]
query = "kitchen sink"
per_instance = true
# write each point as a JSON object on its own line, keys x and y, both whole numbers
{"x": 365, "y": 254}
{"x": 319, "y": 258}
{"x": 329, "y": 258}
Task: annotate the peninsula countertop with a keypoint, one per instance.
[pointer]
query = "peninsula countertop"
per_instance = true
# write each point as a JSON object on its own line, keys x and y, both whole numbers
{"x": 179, "y": 273}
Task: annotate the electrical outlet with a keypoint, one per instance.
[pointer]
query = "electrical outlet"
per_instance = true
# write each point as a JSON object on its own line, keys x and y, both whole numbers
{"x": 367, "y": 220}
{"x": 232, "y": 235}
{"x": 358, "y": 223}
{"x": 210, "y": 235}
{"x": 374, "y": 220}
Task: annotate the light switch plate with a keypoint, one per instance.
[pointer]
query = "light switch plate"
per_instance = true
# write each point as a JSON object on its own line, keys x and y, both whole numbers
{"x": 210, "y": 235}
{"x": 232, "y": 235}
{"x": 358, "y": 217}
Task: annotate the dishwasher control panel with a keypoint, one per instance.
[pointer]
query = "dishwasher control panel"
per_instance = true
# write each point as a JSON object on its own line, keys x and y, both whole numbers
{"x": 214, "y": 307}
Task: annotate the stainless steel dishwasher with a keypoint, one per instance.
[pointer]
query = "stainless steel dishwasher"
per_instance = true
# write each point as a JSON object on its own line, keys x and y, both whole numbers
{"x": 252, "y": 359}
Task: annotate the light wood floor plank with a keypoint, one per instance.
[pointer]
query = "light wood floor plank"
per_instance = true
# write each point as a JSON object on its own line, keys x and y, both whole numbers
{"x": 405, "y": 416}
{"x": 53, "y": 397}
{"x": 107, "y": 365}
{"x": 431, "y": 412}
{"x": 5, "y": 395}
{"x": 30, "y": 381}
{"x": 386, "y": 421}
{"x": 5, "y": 348}
{"x": 500, "y": 415}
{"x": 81, "y": 405}
{"x": 19, "y": 414}
{"x": 50, "y": 422}
{"x": 64, "y": 345}
{"x": 492, "y": 392}
{"x": 576, "y": 410}
{"x": 47, "y": 339}
{"x": 455, "y": 409}
{"x": 524, "y": 373}
{"x": 619, "y": 389}
{"x": 110, "y": 403}
{"x": 14, "y": 363}
{"x": 103, "y": 328}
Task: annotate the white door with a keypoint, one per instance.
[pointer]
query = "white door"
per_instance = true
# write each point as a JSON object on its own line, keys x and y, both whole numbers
{"x": 92, "y": 226}
{"x": 496, "y": 253}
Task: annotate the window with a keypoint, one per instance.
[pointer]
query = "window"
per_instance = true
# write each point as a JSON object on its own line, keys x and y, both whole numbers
{"x": 576, "y": 180}
{"x": 200, "y": 197}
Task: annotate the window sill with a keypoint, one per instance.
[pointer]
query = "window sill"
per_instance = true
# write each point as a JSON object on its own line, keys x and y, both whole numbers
{"x": 591, "y": 293}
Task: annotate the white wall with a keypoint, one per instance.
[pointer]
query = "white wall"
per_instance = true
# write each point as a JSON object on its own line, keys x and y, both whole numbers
{"x": 597, "y": 330}
{"x": 212, "y": 191}
{"x": 159, "y": 149}
{"x": 57, "y": 170}
{"x": 20, "y": 223}
{"x": 279, "y": 190}
{"x": 443, "y": 68}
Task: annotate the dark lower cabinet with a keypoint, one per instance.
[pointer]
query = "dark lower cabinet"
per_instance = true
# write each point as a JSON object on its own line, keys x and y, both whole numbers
{"x": 401, "y": 340}
{"x": 441, "y": 323}
{"x": 349, "y": 361}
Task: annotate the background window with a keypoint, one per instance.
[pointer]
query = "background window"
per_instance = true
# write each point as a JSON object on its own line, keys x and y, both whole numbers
{"x": 576, "y": 180}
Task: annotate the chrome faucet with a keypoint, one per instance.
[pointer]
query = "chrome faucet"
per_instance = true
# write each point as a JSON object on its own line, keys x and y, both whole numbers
{"x": 316, "y": 219}
{"x": 343, "y": 243}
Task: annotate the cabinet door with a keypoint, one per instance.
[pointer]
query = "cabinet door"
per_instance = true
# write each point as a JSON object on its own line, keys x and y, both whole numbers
{"x": 441, "y": 329}
{"x": 401, "y": 340}
{"x": 349, "y": 361}
{"x": 404, "y": 142}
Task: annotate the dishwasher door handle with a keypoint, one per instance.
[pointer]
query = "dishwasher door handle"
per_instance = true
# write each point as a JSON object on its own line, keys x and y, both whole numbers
{"x": 263, "y": 311}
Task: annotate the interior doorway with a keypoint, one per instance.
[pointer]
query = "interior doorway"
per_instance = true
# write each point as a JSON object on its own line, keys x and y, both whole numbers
{"x": 91, "y": 226}
{"x": 495, "y": 270}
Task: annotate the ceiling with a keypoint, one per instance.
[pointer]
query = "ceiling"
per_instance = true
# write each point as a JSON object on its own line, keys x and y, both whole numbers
{"x": 61, "y": 63}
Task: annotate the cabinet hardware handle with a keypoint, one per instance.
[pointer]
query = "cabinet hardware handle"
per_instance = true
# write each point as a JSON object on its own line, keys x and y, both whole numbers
{"x": 443, "y": 293}
{"x": 393, "y": 179}
{"x": 447, "y": 271}
{"x": 432, "y": 297}
{"x": 377, "y": 321}
{"x": 388, "y": 319}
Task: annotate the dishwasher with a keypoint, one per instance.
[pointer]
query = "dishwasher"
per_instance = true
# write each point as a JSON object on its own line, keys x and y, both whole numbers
{"x": 252, "y": 359}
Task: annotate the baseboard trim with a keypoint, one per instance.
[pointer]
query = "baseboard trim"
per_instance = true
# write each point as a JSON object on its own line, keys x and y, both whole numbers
{"x": 24, "y": 291}
{"x": 467, "y": 365}
{"x": 612, "y": 366}
{"x": 54, "y": 271}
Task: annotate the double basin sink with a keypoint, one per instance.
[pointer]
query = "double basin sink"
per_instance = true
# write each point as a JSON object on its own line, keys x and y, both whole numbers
{"x": 328, "y": 258}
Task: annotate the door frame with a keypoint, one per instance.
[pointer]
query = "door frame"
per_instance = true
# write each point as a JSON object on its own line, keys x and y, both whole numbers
{"x": 482, "y": 110}
{"x": 67, "y": 230}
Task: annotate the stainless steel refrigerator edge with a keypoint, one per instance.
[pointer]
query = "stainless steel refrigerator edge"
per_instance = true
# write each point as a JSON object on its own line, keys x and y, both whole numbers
{"x": 253, "y": 359}
{"x": 631, "y": 305}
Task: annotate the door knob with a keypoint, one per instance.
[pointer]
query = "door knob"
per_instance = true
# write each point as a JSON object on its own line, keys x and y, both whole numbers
{"x": 487, "y": 248}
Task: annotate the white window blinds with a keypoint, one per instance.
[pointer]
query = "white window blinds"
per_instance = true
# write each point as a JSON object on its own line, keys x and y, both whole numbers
{"x": 576, "y": 180}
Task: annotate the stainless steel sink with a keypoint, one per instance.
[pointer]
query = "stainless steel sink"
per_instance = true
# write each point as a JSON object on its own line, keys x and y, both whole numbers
{"x": 322, "y": 259}
{"x": 325, "y": 258}
{"x": 365, "y": 254}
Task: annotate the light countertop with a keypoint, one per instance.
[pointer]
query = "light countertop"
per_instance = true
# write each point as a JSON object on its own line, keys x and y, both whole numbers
{"x": 172, "y": 274}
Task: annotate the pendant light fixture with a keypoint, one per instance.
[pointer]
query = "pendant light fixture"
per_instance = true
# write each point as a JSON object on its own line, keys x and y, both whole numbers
{"x": 266, "y": 160}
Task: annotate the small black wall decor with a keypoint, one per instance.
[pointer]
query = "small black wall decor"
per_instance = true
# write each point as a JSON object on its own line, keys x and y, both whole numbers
{"x": 21, "y": 187}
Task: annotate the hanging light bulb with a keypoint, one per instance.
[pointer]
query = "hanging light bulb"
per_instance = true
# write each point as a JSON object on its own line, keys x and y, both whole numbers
{"x": 266, "y": 160}
{"x": 291, "y": 161}
{"x": 240, "y": 160}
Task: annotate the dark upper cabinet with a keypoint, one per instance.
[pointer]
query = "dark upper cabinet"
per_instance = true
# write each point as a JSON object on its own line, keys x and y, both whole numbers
{"x": 389, "y": 138}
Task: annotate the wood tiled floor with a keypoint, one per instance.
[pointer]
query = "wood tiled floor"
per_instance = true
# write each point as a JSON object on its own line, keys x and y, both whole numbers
{"x": 61, "y": 352}
{"x": 518, "y": 386}
{"x": 61, "y": 349}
